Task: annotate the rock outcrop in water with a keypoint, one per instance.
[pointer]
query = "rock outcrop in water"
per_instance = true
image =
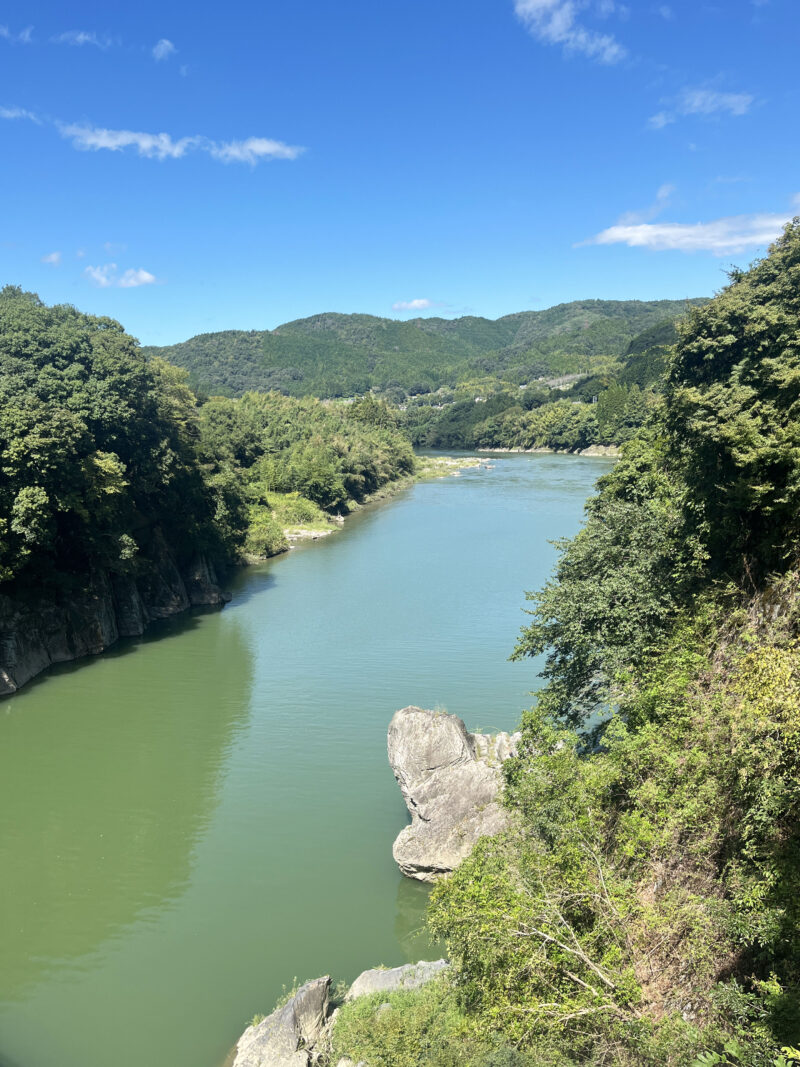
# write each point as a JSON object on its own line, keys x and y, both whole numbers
{"x": 287, "y": 1038}
{"x": 299, "y": 1033}
{"x": 39, "y": 629}
{"x": 451, "y": 782}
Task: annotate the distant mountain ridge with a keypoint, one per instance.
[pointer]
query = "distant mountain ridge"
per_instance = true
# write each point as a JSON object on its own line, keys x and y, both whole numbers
{"x": 334, "y": 354}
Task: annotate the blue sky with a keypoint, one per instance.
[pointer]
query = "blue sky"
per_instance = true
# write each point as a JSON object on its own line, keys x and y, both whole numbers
{"x": 190, "y": 168}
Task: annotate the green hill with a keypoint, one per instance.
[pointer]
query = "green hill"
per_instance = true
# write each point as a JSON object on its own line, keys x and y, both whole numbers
{"x": 333, "y": 355}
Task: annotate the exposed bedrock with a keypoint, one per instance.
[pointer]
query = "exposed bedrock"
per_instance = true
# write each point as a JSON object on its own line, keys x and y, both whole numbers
{"x": 451, "y": 782}
{"x": 298, "y": 1034}
{"x": 40, "y": 628}
{"x": 287, "y": 1037}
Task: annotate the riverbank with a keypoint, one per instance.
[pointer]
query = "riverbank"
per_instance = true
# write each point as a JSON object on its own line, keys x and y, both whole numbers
{"x": 596, "y": 451}
{"x": 301, "y": 520}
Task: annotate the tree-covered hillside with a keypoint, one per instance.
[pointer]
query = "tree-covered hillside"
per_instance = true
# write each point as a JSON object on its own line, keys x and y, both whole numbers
{"x": 644, "y": 909}
{"x": 334, "y": 355}
{"x": 105, "y": 453}
{"x": 603, "y": 408}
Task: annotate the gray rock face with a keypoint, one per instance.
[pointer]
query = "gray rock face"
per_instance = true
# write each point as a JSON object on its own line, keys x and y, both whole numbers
{"x": 37, "y": 631}
{"x": 451, "y": 782}
{"x": 388, "y": 980}
{"x": 287, "y": 1037}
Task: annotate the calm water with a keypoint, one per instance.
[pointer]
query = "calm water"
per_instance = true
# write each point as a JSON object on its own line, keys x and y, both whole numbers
{"x": 190, "y": 821}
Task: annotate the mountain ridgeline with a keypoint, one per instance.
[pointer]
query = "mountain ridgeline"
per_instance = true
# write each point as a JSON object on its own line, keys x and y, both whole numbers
{"x": 332, "y": 355}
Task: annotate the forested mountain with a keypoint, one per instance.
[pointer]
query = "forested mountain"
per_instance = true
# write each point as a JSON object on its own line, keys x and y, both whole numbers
{"x": 604, "y": 408}
{"x": 334, "y": 355}
{"x": 644, "y": 909}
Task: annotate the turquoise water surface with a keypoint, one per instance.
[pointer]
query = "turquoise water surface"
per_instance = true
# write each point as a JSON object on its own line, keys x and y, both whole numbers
{"x": 192, "y": 820}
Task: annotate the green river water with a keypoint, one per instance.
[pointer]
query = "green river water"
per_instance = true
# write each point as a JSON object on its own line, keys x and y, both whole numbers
{"x": 191, "y": 820}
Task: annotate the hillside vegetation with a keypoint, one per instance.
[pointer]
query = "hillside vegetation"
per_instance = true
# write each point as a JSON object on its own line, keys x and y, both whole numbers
{"x": 335, "y": 355}
{"x": 104, "y": 451}
{"x": 645, "y": 907}
{"x": 606, "y": 407}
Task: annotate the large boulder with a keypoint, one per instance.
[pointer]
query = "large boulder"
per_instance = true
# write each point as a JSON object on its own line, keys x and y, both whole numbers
{"x": 288, "y": 1036}
{"x": 451, "y": 782}
{"x": 390, "y": 979}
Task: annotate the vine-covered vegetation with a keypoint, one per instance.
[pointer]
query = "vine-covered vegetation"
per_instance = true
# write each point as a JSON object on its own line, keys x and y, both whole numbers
{"x": 645, "y": 907}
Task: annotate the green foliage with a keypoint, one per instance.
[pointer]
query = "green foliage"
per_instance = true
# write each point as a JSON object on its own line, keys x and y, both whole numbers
{"x": 644, "y": 908}
{"x": 733, "y": 393}
{"x": 298, "y": 461}
{"x": 423, "y": 1028}
{"x": 98, "y": 446}
{"x": 344, "y": 355}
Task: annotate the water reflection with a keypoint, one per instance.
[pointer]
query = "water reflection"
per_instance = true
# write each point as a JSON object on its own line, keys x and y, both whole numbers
{"x": 105, "y": 785}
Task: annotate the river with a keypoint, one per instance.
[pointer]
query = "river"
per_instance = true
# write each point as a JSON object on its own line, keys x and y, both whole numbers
{"x": 191, "y": 820}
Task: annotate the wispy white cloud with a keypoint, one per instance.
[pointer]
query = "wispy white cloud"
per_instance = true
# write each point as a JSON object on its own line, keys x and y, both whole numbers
{"x": 152, "y": 145}
{"x": 420, "y": 304}
{"x": 53, "y": 258}
{"x": 19, "y": 113}
{"x": 666, "y": 12}
{"x": 106, "y": 277}
{"x": 663, "y": 197}
{"x": 163, "y": 49}
{"x": 711, "y": 102}
{"x": 23, "y": 37}
{"x": 725, "y": 236}
{"x": 163, "y": 146}
{"x": 252, "y": 150}
{"x": 556, "y": 22}
{"x": 102, "y": 276}
{"x": 132, "y": 279}
{"x": 701, "y": 101}
{"x": 78, "y": 38}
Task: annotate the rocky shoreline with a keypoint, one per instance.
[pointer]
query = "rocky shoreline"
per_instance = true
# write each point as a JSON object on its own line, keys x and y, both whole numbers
{"x": 39, "y": 629}
{"x": 451, "y": 782}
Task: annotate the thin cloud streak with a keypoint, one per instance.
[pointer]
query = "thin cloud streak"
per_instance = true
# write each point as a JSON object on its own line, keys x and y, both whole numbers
{"x": 78, "y": 38}
{"x": 725, "y": 236}
{"x": 556, "y": 22}
{"x": 702, "y": 101}
{"x": 421, "y": 304}
{"x": 19, "y": 113}
{"x": 252, "y": 150}
{"x": 151, "y": 145}
{"x": 163, "y": 146}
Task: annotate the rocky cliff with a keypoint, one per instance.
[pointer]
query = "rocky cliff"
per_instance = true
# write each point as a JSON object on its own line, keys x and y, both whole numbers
{"x": 81, "y": 618}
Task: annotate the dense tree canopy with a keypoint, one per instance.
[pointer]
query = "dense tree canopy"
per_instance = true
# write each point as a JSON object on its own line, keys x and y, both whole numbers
{"x": 343, "y": 355}
{"x": 97, "y": 444}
